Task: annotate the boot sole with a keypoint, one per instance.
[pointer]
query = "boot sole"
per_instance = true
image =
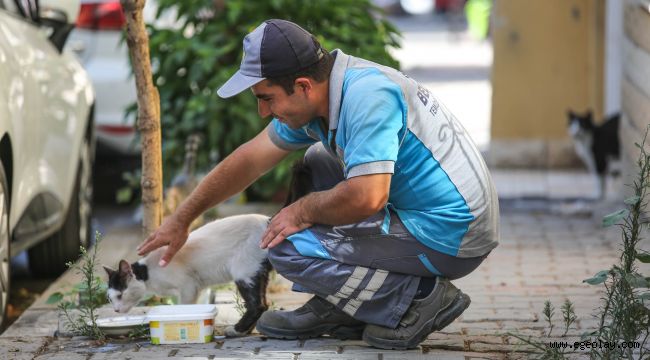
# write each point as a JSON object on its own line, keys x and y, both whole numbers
{"x": 341, "y": 332}
{"x": 438, "y": 322}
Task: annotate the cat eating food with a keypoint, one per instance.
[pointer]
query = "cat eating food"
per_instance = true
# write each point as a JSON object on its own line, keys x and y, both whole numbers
{"x": 219, "y": 252}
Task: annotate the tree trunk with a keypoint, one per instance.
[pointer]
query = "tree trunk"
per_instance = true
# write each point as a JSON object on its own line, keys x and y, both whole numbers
{"x": 148, "y": 115}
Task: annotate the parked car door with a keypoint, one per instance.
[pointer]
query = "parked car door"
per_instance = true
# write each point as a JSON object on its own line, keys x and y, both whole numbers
{"x": 34, "y": 95}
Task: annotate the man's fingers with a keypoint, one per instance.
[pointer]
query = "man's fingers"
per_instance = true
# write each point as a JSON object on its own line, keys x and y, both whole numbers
{"x": 269, "y": 234}
{"x": 147, "y": 247}
{"x": 266, "y": 234}
{"x": 151, "y": 245}
{"x": 143, "y": 246}
{"x": 145, "y": 242}
{"x": 278, "y": 239}
{"x": 143, "y": 249}
{"x": 265, "y": 240}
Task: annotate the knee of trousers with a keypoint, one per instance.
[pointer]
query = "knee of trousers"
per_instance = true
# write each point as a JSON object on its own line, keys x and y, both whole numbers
{"x": 284, "y": 257}
{"x": 316, "y": 154}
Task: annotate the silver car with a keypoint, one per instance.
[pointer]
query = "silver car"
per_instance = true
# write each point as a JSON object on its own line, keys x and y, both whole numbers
{"x": 98, "y": 43}
{"x": 46, "y": 139}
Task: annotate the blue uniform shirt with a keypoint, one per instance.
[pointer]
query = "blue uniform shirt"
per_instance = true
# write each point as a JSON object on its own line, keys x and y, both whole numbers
{"x": 384, "y": 122}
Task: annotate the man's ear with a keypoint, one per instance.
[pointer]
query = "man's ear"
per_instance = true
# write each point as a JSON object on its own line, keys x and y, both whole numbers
{"x": 304, "y": 84}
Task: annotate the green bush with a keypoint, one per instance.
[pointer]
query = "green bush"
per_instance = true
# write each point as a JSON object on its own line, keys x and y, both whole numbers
{"x": 191, "y": 62}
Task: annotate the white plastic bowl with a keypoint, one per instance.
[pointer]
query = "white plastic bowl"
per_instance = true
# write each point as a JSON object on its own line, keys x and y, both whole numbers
{"x": 121, "y": 325}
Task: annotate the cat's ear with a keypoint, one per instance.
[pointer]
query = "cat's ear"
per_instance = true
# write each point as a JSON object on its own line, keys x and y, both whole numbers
{"x": 109, "y": 271}
{"x": 125, "y": 267}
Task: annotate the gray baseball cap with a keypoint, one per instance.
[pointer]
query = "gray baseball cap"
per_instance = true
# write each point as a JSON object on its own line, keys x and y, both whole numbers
{"x": 275, "y": 48}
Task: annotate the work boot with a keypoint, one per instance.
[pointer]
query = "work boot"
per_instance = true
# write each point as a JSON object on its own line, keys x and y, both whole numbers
{"x": 424, "y": 316}
{"x": 317, "y": 317}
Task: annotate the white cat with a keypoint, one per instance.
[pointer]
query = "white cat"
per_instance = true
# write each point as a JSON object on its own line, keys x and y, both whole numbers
{"x": 219, "y": 252}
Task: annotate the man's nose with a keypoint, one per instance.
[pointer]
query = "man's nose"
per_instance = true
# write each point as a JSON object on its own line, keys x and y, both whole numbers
{"x": 263, "y": 109}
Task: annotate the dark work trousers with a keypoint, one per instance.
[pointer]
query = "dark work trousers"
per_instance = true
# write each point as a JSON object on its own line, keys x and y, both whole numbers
{"x": 371, "y": 269}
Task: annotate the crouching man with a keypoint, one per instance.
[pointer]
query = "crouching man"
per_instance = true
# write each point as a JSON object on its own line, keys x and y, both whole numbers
{"x": 402, "y": 202}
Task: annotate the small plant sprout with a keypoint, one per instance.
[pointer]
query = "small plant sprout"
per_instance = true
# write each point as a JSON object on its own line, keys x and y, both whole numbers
{"x": 548, "y": 315}
{"x": 79, "y": 306}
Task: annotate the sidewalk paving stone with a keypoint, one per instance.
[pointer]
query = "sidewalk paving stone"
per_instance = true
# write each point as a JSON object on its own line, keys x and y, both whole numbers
{"x": 544, "y": 254}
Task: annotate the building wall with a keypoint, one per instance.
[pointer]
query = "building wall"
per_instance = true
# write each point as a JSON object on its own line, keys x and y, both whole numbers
{"x": 635, "y": 98}
{"x": 613, "y": 55}
{"x": 548, "y": 57}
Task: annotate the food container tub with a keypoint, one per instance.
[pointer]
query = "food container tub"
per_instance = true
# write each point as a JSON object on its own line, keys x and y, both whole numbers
{"x": 181, "y": 324}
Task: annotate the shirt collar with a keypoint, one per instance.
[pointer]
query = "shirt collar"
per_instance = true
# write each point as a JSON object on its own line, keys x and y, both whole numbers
{"x": 336, "y": 86}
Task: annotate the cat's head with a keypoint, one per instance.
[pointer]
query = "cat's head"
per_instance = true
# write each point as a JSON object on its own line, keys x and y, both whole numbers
{"x": 124, "y": 290}
{"x": 580, "y": 123}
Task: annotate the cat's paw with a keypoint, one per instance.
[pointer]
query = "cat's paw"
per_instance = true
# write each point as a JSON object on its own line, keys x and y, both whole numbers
{"x": 231, "y": 332}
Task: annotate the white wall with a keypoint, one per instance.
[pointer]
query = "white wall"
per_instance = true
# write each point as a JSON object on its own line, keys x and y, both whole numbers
{"x": 613, "y": 55}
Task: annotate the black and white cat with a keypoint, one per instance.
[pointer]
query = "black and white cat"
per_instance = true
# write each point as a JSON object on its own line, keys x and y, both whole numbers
{"x": 219, "y": 252}
{"x": 597, "y": 145}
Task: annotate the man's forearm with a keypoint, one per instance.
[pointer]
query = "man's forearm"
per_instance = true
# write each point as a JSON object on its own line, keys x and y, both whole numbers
{"x": 350, "y": 201}
{"x": 231, "y": 176}
{"x": 343, "y": 204}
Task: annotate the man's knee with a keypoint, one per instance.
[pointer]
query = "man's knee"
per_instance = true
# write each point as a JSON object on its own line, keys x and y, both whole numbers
{"x": 325, "y": 168}
{"x": 283, "y": 256}
{"x": 315, "y": 154}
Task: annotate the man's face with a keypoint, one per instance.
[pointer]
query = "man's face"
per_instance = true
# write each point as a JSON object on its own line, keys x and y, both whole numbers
{"x": 293, "y": 110}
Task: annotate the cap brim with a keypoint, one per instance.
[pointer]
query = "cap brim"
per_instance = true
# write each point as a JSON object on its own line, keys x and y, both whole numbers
{"x": 236, "y": 84}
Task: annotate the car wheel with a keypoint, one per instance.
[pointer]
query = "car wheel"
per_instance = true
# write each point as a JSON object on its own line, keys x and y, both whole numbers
{"x": 49, "y": 258}
{"x": 4, "y": 244}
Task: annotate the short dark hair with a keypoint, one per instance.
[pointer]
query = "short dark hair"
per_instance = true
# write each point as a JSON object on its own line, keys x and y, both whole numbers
{"x": 320, "y": 71}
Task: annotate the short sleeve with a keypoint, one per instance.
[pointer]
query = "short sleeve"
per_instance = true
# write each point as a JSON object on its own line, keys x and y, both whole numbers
{"x": 372, "y": 115}
{"x": 287, "y": 138}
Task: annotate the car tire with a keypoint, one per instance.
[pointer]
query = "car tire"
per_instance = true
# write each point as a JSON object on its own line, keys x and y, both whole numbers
{"x": 4, "y": 245}
{"x": 48, "y": 259}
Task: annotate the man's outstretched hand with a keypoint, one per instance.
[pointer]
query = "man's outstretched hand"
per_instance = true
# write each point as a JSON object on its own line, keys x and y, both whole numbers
{"x": 287, "y": 222}
{"x": 172, "y": 233}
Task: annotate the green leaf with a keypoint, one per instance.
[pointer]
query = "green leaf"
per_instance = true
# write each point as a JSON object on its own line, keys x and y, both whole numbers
{"x": 54, "y": 298}
{"x": 80, "y": 286}
{"x": 602, "y": 273}
{"x": 124, "y": 195}
{"x": 632, "y": 200}
{"x": 643, "y": 257}
{"x": 644, "y": 296}
{"x": 594, "y": 280}
{"x": 637, "y": 281}
{"x": 599, "y": 278}
{"x": 615, "y": 217}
